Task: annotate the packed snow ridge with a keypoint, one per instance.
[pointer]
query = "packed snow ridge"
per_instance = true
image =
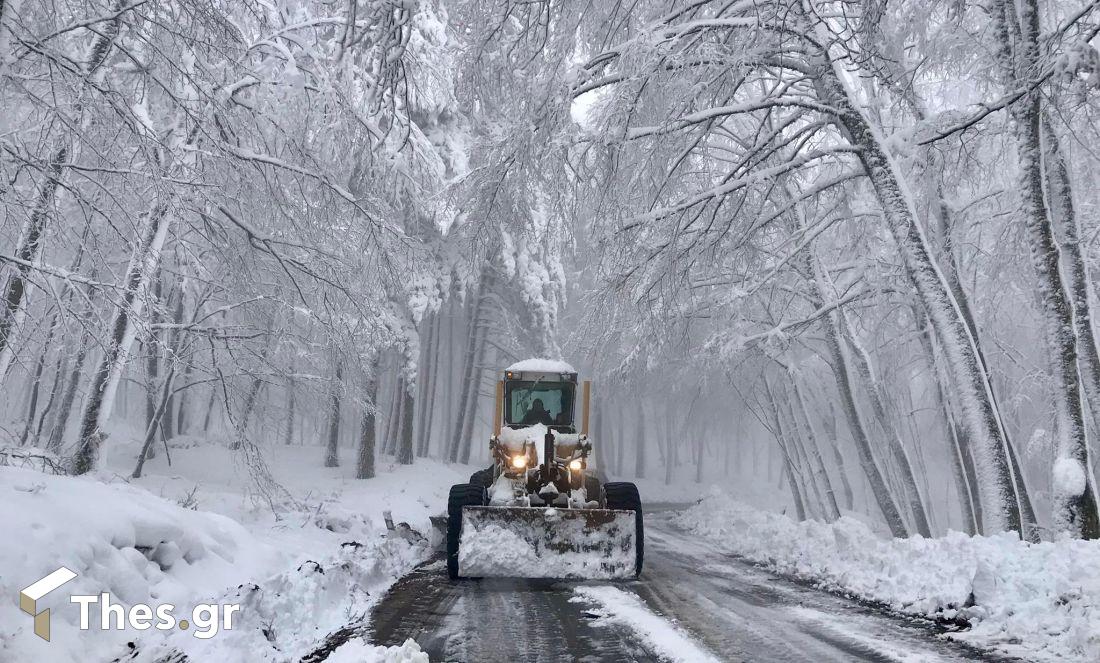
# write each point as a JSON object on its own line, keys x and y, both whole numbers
{"x": 1040, "y": 602}
{"x": 663, "y": 636}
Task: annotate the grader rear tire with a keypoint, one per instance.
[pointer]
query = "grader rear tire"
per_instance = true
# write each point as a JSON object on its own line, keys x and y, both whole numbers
{"x": 483, "y": 478}
{"x": 462, "y": 495}
{"x": 624, "y": 495}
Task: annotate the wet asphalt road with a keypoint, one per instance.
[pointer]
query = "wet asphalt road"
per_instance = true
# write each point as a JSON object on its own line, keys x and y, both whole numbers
{"x": 736, "y": 611}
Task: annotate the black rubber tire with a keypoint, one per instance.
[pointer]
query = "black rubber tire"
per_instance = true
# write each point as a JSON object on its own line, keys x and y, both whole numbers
{"x": 483, "y": 478}
{"x": 593, "y": 490}
{"x": 624, "y": 495}
{"x": 462, "y": 495}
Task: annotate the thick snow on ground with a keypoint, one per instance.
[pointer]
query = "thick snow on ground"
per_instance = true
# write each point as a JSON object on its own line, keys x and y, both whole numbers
{"x": 542, "y": 365}
{"x": 194, "y": 533}
{"x": 1040, "y": 602}
{"x": 662, "y": 636}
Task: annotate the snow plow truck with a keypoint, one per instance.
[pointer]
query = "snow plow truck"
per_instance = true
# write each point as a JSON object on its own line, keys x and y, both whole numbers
{"x": 540, "y": 511}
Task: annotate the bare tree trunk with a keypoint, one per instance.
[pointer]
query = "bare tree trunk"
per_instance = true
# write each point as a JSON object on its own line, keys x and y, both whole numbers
{"x": 1064, "y": 221}
{"x": 397, "y": 404}
{"x": 424, "y": 386}
{"x": 393, "y": 413}
{"x": 951, "y": 275}
{"x": 408, "y": 407}
{"x": 670, "y": 414}
{"x": 55, "y": 389}
{"x": 167, "y": 424}
{"x": 364, "y": 468}
{"x": 794, "y": 449}
{"x": 598, "y": 439}
{"x": 154, "y": 422}
{"x": 209, "y": 410}
{"x": 291, "y": 404}
{"x": 615, "y": 436}
{"x": 143, "y": 263}
{"x": 832, "y": 510}
{"x": 893, "y": 438}
{"x": 841, "y": 372}
{"x": 11, "y": 317}
{"x": 996, "y": 478}
{"x": 61, "y": 423}
{"x": 700, "y": 452}
{"x": 36, "y": 381}
{"x": 432, "y": 388}
{"x": 30, "y": 241}
{"x": 789, "y": 472}
{"x": 475, "y": 396}
{"x": 830, "y": 324}
{"x": 259, "y": 474}
{"x": 8, "y": 8}
{"x": 332, "y": 449}
{"x": 838, "y": 458}
{"x": 1075, "y": 508}
{"x": 152, "y": 363}
{"x": 962, "y": 464}
{"x": 639, "y": 444}
{"x": 461, "y": 444}
{"x": 449, "y": 399}
{"x": 182, "y": 421}
{"x": 467, "y": 390}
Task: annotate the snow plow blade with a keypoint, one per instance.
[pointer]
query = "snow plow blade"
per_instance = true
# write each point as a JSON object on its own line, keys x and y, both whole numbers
{"x": 547, "y": 542}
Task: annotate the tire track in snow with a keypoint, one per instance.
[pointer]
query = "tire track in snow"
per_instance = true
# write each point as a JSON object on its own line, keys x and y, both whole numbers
{"x": 662, "y": 636}
{"x": 497, "y": 619}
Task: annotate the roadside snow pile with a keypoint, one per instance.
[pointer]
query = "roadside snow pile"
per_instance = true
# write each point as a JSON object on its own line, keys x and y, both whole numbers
{"x": 665, "y": 638}
{"x": 118, "y": 539}
{"x": 293, "y": 614}
{"x": 1039, "y": 601}
{"x": 141, "y": 548}
{"x": 357, "y": 651}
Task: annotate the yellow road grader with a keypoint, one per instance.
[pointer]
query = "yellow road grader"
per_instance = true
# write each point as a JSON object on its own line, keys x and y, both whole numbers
{"x": 540, "y": 511}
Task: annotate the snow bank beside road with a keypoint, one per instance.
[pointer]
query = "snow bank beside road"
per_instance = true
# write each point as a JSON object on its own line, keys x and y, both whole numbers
{"x": 1037, "y": 601}
{"x": 297, "y": 579}
{"x": 118, "y": 539}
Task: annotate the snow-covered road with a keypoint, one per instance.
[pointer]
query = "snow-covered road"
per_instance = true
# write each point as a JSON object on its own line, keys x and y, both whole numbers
{"x": 693, "y": 603}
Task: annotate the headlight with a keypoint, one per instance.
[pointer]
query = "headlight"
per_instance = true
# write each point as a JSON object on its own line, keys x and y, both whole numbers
{"x": 576, "y": 465}
{"x": 519, "y": 462}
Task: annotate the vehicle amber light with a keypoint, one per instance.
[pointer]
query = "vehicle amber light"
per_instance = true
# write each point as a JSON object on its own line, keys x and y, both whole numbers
{"x": 576, "y": 465}
{"x": 519, "y": 462}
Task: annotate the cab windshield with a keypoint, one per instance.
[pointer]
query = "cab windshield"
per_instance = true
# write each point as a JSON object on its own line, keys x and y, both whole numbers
{"x": 528, "y": 403}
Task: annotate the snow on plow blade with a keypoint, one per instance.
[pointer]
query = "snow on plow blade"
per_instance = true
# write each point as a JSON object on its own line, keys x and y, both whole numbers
{"x": 537, "y": 542}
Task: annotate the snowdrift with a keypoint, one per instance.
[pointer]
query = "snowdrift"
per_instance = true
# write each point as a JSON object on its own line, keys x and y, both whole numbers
{"x": 141, "y": 548}
{"x": 1036, "y": 601}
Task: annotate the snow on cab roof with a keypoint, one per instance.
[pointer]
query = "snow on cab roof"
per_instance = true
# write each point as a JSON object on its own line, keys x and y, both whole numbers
{"x": 543, "y": 365}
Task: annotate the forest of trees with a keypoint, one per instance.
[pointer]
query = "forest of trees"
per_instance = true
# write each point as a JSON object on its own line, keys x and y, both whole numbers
{"x": 844, "y": 249}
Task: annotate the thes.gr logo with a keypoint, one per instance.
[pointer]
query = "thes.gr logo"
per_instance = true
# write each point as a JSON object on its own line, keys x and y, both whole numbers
{"x": 30, "y": 596}
{"x": 206, "y": 619}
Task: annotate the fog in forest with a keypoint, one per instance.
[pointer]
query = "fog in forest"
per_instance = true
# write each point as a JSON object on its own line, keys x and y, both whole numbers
{"x": 835, "y": 257}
